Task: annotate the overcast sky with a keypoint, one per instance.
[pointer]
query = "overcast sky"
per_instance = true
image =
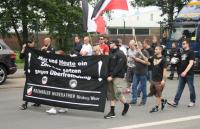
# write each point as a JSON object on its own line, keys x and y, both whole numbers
{"x": 132, "y": 11}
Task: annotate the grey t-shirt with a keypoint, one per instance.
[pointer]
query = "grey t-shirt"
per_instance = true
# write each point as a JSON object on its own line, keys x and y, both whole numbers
{"x": 130, "y": 55}
{"x": 141, "y": 68}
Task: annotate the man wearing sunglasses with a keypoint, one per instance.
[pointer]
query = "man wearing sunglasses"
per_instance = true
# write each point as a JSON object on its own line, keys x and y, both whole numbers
{"x": 186, "y": 75}
{"x": 104, "y": 49}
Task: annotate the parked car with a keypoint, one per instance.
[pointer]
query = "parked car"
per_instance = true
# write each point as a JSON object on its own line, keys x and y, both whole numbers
{"x": 7, "y": 61}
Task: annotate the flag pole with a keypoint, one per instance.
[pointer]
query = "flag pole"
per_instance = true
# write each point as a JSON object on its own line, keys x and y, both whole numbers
{"x": 90, "y": 38}
{"x": 135, "y": 38}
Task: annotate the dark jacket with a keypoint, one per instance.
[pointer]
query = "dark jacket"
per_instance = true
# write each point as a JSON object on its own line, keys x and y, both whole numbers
{"x": 175, "y": 52}
{"x": 77, "y": 48}
{"x": 117, "y": 64}
{"x": 50, "y": 49}
{"x": 23, "y": 56}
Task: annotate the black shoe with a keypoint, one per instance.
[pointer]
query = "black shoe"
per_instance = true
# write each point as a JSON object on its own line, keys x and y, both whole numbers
{"x": 110, "y": 115}
{"x": 125, "y": 110}
{"x": 163, "y": 103}
{"x": 170, "y": 78}
{"x": 141, "y": 104}
{"x": 35, "y": 105}
{"x": 154, "y": 109}
{"x": 23, "y": 106}
{"x": 133, "y": 103}
{"x": 149, "y": 95}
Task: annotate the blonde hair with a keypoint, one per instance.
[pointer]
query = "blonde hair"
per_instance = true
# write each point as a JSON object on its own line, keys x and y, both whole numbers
{"x": 132, "y": 43}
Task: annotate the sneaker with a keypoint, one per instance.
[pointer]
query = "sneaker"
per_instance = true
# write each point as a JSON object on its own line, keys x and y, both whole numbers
{"x": 173, "y": 104}
{"x": 154, "y": 109}
{"x": 191, "y": 104}
{"x": 141, "y": 104}
{"x": 63, "y": 110}
{"x": 110, "y": 115}
{"x": 52, "y": 111}
{"x": 163, "y": 103}
{"x": 125, "y": 110}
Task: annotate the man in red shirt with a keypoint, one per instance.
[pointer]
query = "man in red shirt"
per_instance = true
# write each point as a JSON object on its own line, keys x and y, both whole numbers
{"x": 104, "y": 49}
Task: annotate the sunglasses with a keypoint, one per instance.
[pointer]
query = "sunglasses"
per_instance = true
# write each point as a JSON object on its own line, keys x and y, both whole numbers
{"x": 101, "y": 39}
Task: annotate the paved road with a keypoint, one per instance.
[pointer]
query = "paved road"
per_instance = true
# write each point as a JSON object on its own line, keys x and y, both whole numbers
{"x": 138, "y": 117}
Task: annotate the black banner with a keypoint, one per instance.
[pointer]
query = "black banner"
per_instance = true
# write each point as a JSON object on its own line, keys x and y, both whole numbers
{"x": 64, "y": 81}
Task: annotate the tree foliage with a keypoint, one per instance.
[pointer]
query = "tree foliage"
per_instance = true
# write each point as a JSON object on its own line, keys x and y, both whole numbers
{"x": 61, "y": 18}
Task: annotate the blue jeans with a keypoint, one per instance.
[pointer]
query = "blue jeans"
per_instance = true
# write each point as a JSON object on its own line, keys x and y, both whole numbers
{"x": 142, "y": 80}
{"x": 189, "y": 79}
{"x": 149, "y": 77}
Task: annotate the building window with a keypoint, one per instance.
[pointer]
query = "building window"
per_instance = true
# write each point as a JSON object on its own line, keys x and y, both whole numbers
{"x": 141, "y": 31}
{"x": 127, "y": 31}
{"x": 112, "y": 31}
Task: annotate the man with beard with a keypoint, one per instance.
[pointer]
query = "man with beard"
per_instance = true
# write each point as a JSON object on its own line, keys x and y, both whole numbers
{"x": 159, "y": 68}
{"x": 117, "y": 69}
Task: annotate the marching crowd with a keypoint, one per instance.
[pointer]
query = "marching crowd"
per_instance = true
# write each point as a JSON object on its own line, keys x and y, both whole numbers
{"x": 131, "y": 67}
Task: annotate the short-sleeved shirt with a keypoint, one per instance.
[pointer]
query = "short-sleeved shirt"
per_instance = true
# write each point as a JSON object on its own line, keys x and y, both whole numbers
{"x": 104, "y": 48}
{"x": 130, "y": 55}
{"x": 151, "y": 54}
{"x": 87, "y": 48}
{"x": 158, "y": 64}
{"x": 141, "y": 68}
{"x": 186, "y": 56}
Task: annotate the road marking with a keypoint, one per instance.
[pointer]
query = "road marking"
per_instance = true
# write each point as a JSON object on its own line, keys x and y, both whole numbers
{"x": 159, "y": 122}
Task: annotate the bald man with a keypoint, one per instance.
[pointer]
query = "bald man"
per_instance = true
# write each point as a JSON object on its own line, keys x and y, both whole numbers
{"x": 86, "y": 48}
{"x": 47, "y": 46}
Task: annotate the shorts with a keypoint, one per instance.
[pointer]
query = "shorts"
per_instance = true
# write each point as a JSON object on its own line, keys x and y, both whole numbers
{"x": 129, "y": 74}
{"x": 115, "y": 89}
{"x": 156, "y": 88}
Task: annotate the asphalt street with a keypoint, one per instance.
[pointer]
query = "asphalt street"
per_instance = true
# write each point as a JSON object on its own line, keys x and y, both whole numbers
{"x": 182, "y": 117}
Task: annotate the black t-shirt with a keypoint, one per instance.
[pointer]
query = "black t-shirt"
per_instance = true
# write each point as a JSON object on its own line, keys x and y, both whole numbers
{"x": 150, "y": 51}
{"x": 151, "y": 54}
{"x": 186, "y": 56}
{"x": 158, "y": 64}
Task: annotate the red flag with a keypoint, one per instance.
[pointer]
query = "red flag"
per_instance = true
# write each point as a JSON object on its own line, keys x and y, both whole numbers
{"x": 100, "y": 22}
{"x": 107, "y": 5}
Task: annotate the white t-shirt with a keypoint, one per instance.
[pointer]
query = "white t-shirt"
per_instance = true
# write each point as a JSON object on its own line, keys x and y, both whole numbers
{"x": 87, "y": 48}
{"x": 124, "y": 49}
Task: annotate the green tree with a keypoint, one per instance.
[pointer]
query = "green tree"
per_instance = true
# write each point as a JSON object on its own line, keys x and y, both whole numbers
{"x": 60, "y": 17}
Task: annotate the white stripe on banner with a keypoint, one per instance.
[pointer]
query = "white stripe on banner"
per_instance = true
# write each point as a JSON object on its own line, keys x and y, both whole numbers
{"x": 159, "y": 122}
{"x": 84, "y": 91}
{"x": 92, "y": 27}
{"x": 83, "y": 104}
